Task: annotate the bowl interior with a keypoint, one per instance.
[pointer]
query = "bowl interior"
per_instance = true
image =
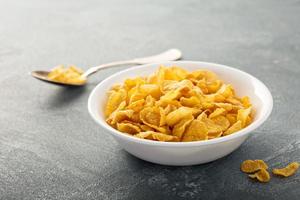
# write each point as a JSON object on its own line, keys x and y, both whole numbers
{"x": 243, "y": 83}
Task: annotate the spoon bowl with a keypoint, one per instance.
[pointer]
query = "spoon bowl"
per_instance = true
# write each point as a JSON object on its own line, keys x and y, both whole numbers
{"x": 43, "y": 76}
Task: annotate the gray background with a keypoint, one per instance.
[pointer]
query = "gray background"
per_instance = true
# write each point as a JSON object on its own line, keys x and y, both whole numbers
{"x": 51, "y": 149}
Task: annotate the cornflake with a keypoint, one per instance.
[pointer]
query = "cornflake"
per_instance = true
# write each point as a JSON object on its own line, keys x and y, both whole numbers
{"x": 288, "y": 170}
{"x": 250, "y": 166}
{"x": 262, "y": 175}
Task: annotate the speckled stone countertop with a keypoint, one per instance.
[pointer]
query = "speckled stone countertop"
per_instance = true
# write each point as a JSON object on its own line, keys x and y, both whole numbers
{"x": 50, "y": 148}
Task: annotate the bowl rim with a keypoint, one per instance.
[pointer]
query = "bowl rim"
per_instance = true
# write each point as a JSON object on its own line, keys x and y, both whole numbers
{"x": 237, "y": 134}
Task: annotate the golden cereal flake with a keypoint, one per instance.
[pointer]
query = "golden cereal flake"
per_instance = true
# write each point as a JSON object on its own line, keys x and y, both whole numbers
{"x": 181, "y": 113}
{"x": 119, "y": 115}
{"x": 128, "y": 128}
{"x": 250, "y": 166}
{"x": 233, "y": 128}
{"x": 217, "y": 112}
{"x": 156, "y": 136}
{"x": 114, "y": 100}
{"x": 180, "y": 127}
{"x": 262, "y": 175}
{"x": 195, "y": 131}
{"x": 153, "y": 117}
{"x": 243, "y": 115}
{"x": 288, "y": 170}
{"x": 190, "y": 102}
{"x": 136, "y": 106}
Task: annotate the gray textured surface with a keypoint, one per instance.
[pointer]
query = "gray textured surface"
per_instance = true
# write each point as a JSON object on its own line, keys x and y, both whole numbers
{"x": 51, "y": 149}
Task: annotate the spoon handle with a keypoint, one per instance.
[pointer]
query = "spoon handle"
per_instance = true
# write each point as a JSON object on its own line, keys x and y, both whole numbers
{"x": 169, "y": 55}
{"x": 93, "y": 70}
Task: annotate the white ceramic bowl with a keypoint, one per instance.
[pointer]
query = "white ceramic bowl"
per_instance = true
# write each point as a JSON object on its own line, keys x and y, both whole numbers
{"x": 185, "y": 153}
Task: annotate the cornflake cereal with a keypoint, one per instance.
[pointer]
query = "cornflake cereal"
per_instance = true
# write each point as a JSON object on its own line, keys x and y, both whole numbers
{"x": 288, "y": 170}
{"x": 262, "y": 175}
{"x": 251, "y": 166}
{"x": 70, "y": 75}
{"x": 175, "y": 105}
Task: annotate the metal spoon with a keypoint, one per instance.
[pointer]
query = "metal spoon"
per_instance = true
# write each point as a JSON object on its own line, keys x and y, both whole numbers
{"x": 169, "y": 55}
